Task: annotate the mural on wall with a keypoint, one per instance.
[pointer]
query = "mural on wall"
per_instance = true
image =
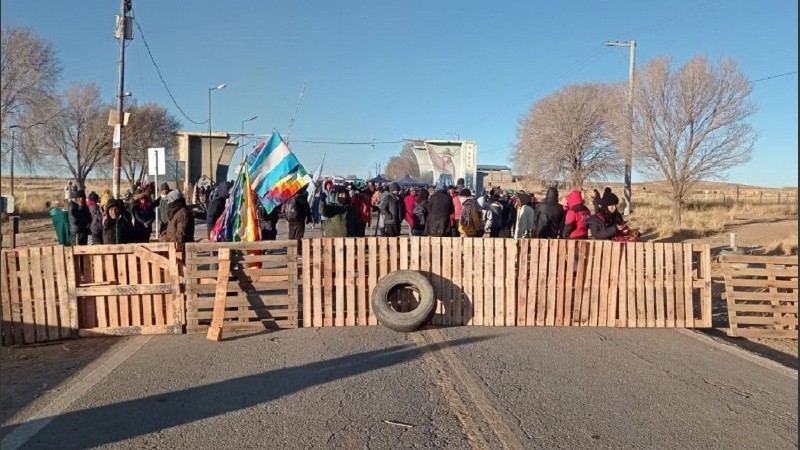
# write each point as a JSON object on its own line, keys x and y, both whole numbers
{"x": 446, "y": 161}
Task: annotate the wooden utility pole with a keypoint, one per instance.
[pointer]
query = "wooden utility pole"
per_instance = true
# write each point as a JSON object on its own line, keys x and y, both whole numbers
{"x": 125, "y": 6}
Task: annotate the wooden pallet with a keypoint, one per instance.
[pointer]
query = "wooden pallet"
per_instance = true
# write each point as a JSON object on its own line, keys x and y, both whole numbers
{"x": 761, "y": 292}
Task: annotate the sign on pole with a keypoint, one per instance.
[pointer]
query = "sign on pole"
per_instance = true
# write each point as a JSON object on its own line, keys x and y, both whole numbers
{"x": 156, "y": 161}
{"x": 117, "y": 142}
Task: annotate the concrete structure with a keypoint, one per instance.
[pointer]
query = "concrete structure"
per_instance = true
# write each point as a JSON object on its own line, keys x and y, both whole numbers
{"x": 490, "y": 176}
{"x": 192, "y": 149}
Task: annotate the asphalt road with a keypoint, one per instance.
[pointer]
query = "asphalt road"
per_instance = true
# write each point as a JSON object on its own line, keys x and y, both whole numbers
{"x": 467, "y": 387}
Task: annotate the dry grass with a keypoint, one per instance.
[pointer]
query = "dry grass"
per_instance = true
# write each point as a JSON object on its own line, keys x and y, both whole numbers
{"x": 786, "y": 246}
{"x": 30, "y": 194}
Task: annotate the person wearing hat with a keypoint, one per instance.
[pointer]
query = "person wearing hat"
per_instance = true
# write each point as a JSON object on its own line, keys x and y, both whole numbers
{"x": 180, "y": 228}
{"x": 606, "y": 223}
{"x": 549, "y": 216}
{"x": 116, "y": 228}
{"x": 96, "y": 228}
{"x": 143, "y": 217}
{"x": 162, "y": 208}
{"x": 80, "y": 219}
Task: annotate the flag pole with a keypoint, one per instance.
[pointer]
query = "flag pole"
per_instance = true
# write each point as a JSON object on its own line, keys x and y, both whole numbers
{"x": 291, "y": 122}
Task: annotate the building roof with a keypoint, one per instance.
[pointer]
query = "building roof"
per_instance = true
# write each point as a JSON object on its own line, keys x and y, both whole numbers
{"x": 491, "y": 167}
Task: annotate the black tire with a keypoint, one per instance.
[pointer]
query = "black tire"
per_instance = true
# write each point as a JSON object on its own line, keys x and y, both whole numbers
{"x": 403, "y": 321}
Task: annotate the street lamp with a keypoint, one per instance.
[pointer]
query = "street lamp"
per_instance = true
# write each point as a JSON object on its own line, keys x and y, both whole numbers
{"x": 629, "y": 150}
{"x": 210, "y": 163}
{"x": 243, "y": 122}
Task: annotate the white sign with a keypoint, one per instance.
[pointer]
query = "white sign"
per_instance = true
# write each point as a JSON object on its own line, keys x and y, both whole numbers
{"x": 156, "y": 161}
{"x": 117, "y": 142}
{"x": 7, "y": 204}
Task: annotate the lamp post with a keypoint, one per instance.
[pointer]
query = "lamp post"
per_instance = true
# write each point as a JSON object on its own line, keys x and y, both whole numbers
{"x": 243, "y": 122}
{"x": 210, "y": 162}
{"x": 13, "y": 129}
{"x": 629, "y": 150}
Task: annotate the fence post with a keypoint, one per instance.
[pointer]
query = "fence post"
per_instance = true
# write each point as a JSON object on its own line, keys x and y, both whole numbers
{"x": 737, "y": 194}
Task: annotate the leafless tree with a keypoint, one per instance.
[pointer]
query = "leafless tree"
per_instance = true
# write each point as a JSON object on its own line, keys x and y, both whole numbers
{"x": 150, "y": 125}
{"x": 690, "y": 124}
{"x": 405, "y": 163}
{"x": 29, "y": 71}
{"x": 77, "y": 137}
{"x": 569, "y": 135}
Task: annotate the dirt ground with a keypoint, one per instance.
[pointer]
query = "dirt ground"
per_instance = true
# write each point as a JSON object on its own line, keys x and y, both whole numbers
{"x": 30, "y": 373}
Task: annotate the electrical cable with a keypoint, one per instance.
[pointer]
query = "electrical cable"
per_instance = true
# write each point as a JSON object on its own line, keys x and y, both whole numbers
{"x": 774, "y": 76}
{"x": 161, "y": 77}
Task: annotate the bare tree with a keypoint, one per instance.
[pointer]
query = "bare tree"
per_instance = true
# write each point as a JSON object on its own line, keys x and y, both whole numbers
{"x": 77, "y": 137}
{"x": 150, "y": 125}
{"x": 405, "y": 163}
{"x": 569, "y": 135}
{"x": 690, "y": 124}
{"x": 29, "y": 71}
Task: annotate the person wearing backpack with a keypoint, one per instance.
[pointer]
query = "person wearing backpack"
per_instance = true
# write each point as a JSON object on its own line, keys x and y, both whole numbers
{"x": 549, "y": 216}
{"x": 297, "y": 213}
{"x": 469, "y": 221}
{"x": 575, "y": 226}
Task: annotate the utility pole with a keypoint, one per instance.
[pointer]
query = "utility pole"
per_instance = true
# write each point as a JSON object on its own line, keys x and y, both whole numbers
{"x": 629, "y": 150}
{"x": 125, "y": 6}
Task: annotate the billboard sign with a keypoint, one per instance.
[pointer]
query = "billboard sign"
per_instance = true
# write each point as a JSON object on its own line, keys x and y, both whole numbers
{"x": 447, "y": 161}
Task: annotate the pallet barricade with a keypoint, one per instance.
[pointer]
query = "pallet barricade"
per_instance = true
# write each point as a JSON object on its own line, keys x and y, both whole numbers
{"x": 507, "y": 282}
{"x": 761, "y": 292}
{"x": 37, "y": 290}
{"x": 128, "y": 289}
{"x": 262, "y": 292}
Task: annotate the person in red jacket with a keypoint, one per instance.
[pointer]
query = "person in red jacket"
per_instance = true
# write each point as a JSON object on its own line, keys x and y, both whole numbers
{"x": 409, "y": 201}
{"x": 575, "y": 222}
{"x": 454, "y": 192}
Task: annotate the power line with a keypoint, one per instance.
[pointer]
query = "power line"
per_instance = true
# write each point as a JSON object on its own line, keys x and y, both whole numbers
{"x": 161, "y": 77}
{"x": 774, "y": 76}
{"x": 333, "y": 142}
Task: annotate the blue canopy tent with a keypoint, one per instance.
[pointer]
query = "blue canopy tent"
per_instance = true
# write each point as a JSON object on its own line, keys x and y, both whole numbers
{"x": 407, "y": 182}
{"x": 380, "y": 180}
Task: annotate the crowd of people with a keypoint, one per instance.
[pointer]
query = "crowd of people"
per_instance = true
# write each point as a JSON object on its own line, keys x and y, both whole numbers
{"x": 95, "y": 219}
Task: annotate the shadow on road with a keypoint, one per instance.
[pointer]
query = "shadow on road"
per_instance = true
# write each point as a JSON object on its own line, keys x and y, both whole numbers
{"x": 125, "y": 420}
{"x": 766, "y": 351}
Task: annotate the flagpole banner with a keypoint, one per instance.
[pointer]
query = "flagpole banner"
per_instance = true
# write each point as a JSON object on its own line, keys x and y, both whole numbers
{"x": 315, "y": 180}
{"x": 275, "y": 172}
{"x": 239, "y": 220}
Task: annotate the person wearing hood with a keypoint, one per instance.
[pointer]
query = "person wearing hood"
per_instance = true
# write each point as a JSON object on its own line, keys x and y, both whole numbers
{"x": 419, "y": 213}
{"x": 162, "y": 208}
{"x": 389, "y": 211}
{"x": 80, "y": 219}
{"x": 575, "y": 220}
{"x": 116, "y": 229}
{"x": 493, "y": 215}
{"x": 180, "y": 228}
{"x": 440, "y": 209}
{"x": 60, "y": 220}
{"x": 342, "y": 219}
{"x": 143, "y": 217}
{"x": 549, "y": 216}
{"x": 469, "y": 219}
{"x": 409, "y": 201}
{"x": 96, "y": 228}
{"x": 216, "y": 205}
{"x": 525, "y": 225}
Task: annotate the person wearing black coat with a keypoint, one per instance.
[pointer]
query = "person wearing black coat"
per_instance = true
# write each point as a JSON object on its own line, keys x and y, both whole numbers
{"x": 419, "y": 213}
{"x": 607, "y": 222}
{"x": 80, "y": 220}
{"x": 216, "y": 205}
{"x": 440, "y": 208}
{"x": 549, "y": 216}
{"x": 116, "y": 228}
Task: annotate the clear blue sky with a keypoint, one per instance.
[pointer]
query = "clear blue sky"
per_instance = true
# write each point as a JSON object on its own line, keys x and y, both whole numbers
{"x": 416, "y": 69}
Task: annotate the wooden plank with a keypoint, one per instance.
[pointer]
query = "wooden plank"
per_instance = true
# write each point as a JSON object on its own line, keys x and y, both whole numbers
{"x": 660, "y": 303}
{"x": 542, "y": 280}
{"x": 468, "y": 311}
{"x": 669, "y": 267}
{"x": 774, "y": 309}
{"x": 113, "y": 249}
{"x": 586, "y": 261}
{"x": 350, "y": 285}
{"x": 307, "y": 283}
{"x": 316, "y": 276}
{"x": 771, "y": 269}
{"x": 579, "y": 265}
{"x": 552, "y": 282}
{"x": 757, "y": 259}
{"x": 762, "y": 333}
{"x": 612, "y": 295}
{"x": 94, "y": 308}
{"x": 37, "y": 291}
{"x": 488, "y": 282}
{"x": 522, "y": 282}
{"x": 448, "y": 302}
{"x": 328, "y": 282}
{"x": 623, "y": 287}
{"x": 458, "y": 282}
{"x": 630, "y": 278}
{"x": 604, "y": 281}
{"x": 91, "y": 291}
{"x": 510, "y": 279}
{"x": 178, "y": 299}
{"x": 134, "y": 268}
{"x": 594, "y": 295}
{"x": 705, "y": 292}
{"x": 649, "y": 285}
{"x": 54, "y": 327}
{"x": 12, "y": 259}
{"x": 688, "y": 276}
{"x": 403, "y": 243}
{"x": 641, "y": 304}
{"x": 240, "y": 246}
{"x": 215, "y": 329}
{"x": 781, "y": 297}
{"x": 777, "y": 321}
{"x": 110, "y": 275}
{"x": 569, "y": 281}
{"x": 5, "y": 301}
{"x": 394, "y": 253}
{"x": 497, "y": 280}
{"x": 533, "y": 281}
{"x": 28, "y": 322}
{"x": 435, "y": 279}
{"x": 147, "y": 299}
{"x": 478, "y": 280}
{"x": 66, "y": 277}
{"x": 680, "y": 315}
{"x": 124, "y": 300}
{"x": 361, "y": 281}
{"x": 159, "y": 306}
{"x": 372, "y": 249}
